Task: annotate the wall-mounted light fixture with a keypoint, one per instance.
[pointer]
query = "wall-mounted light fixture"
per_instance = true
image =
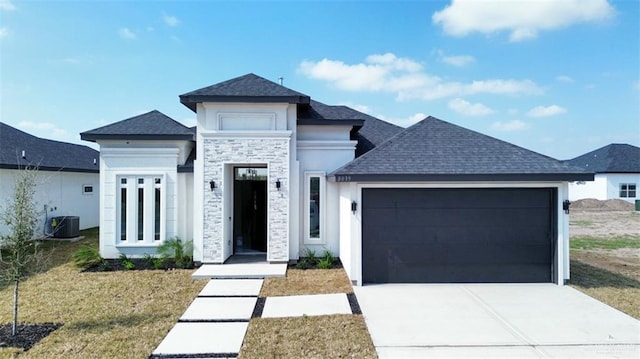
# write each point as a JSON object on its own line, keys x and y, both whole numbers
{"x": 24, "y": 154}
{"x": 212, "y": 184}
{"x": 354, "y": 207}
{"x": 278, "y": 184}
{"x": 95, "y": 161}
{"x": 565, "y": 206}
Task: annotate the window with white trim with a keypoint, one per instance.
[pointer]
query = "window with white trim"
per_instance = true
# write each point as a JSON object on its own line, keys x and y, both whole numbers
{"x": 140, "y": 213}
{"x": 627, "y": 190}
{"x": 87, "y": 189}
{"x": 314, "y": 204}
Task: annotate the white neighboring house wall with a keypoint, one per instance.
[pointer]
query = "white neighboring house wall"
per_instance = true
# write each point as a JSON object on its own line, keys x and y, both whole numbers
{"x": 604, "y": 186}
{"x": 350, "y": 224}
{"x": 145, "y": 166}
{"x": 63, "y": 194}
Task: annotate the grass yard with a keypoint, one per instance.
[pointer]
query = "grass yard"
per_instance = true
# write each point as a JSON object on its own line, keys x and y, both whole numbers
{"x": 328, "y": 336}
{"x": 104, "y": 315}
{"x": 605, "y": 257}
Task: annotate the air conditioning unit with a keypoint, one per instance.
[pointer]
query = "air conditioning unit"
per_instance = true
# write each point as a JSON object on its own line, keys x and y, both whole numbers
{"x": 65, "y": 226}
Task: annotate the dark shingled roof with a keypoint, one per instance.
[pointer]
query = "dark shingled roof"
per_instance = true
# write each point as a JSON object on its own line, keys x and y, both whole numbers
{"x": 613, "y": 158}
{"x": 47, "y": 155}
{"x": 370, "y": 131}
{"x": 152, "y": 125}
{"x": 434, "y": 150}
{"x": 247, "y": 88}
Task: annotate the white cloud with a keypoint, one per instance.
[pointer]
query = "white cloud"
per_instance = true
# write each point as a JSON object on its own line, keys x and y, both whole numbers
{"x": 636, "y": 85}
{"x": 46, "y": 130}
{"x": 546, "y": 111}
{"x": 522, "y": 19}
{"x": 170, "y": 20}
{"x": 456, "y": 60}
{"x": 564, "y": 78}
{"x": 509, "y": 126}
{"x": 406, "y": 78}
{"x": 404, "y": 121}
{"x": 512, "y": 111}
{"x": 125, "y": 33}
{"x": 189, "y": 122}
{"x": 362, "y": 108}
{"x": 3, "y": 32}
{"x": 469, "y": 109}
{"x": 7, "y": 5}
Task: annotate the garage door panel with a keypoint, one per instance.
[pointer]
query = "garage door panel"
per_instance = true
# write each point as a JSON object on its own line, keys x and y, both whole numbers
{"x": 457, "y": 235}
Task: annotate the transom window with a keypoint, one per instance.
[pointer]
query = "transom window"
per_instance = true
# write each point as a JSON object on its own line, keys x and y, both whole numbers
{"x": 140, "y": 209}
{"x": 627, "y": 190}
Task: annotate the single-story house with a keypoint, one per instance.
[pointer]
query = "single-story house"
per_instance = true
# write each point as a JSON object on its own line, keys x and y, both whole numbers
{"x": 68, "y": 176}
{"x": 269, "y": 170}
{"x": 617, "y": 173}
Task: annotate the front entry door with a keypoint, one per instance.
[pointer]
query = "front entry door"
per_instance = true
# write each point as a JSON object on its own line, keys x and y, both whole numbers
{"x": 250, "y": 210}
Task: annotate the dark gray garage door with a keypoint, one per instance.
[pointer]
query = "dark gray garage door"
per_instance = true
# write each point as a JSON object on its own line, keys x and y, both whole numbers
{"x": 420, "y": 235}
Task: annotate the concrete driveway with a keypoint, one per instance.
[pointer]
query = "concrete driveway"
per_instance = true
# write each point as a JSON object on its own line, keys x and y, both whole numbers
{"x": 494, "y": 321}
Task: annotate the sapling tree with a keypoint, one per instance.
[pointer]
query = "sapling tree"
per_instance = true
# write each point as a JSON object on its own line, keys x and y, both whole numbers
{"x": 19, "y": 253}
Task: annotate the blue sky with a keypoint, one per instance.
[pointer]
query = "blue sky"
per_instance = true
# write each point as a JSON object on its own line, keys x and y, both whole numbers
{"x": 557, "y": 77}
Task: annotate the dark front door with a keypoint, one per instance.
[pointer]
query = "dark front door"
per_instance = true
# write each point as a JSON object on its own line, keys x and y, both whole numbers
{"x": 249, "y": 210}
{"x": 419, "y": 235}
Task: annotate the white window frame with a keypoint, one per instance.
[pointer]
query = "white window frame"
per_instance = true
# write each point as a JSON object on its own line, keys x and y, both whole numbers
{"x": 307, "y": 208}
{"x": 627, "y": 190}
{"x": 132, "y": 187}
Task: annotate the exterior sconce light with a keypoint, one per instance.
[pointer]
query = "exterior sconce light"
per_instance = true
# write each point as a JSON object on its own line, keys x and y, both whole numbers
{"x": 354, "y": 207}
{"x": 278, "y": 184}
{"x": 565, "y": 206}
{"x": 24, "y": 154}
{"x": 212, "y": 184}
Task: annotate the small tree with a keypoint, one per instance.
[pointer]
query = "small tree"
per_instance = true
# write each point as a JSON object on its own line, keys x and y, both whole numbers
{"x": 20, "y": 255}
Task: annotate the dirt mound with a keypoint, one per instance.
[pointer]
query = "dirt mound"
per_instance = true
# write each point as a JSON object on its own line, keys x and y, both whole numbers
{"x": 592, "y": 204}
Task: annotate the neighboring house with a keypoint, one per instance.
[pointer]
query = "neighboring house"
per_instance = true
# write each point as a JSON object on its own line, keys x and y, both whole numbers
{"x": 617, "y": 173}
{"x": 68, "y": 182}
{"x": 269, "y": 170}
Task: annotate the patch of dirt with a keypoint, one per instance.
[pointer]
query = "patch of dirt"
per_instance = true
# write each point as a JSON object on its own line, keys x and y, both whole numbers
{"x": 603, "y": 223}
{"x": 109, "y": 265}
{"x": 27, "y": 335}
{"x": 592, "y": 204}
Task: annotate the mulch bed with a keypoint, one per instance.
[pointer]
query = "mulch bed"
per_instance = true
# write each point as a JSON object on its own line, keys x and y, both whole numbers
{"x": 109, "y": 265}
{"x": 27, "y": 335}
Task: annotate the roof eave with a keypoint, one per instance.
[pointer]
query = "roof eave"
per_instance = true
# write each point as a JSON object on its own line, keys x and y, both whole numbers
{"x": 325, "y": 122}
{"x": 94, "y": 137}
{"x": 192, "y": 100}
{"x": 50, "y": 168}
{"x": 498, "y": 177}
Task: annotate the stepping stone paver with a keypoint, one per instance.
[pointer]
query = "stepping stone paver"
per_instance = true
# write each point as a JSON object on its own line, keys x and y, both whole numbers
{"x": 203, "y": 338}
{"x": 232, "y": 287}
{"x": 212, "y": 309}
{"x": 299, "y": 305}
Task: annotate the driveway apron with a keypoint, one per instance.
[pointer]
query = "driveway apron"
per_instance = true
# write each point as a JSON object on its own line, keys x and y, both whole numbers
{"x": 494, "y": 320}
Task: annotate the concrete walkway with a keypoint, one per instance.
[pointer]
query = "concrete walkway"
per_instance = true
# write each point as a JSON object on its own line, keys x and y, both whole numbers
{"x": 494, "y": 320}
{"x": 215, "y": 323}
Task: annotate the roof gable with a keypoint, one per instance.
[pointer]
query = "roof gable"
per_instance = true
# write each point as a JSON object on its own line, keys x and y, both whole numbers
{"x": 152, "y": 125}
{"x": 46, "y": 155}
{"x": 613, "y": 158}
{"x": 437, "y": 150}
{"x": 247, "y": 88}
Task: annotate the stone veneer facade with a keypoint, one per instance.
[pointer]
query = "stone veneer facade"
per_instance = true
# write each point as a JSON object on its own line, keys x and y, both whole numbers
{"x": 272, "y": 152}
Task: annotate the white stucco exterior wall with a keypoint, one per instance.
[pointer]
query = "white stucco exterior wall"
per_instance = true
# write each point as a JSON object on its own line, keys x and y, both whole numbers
{"x": 143, "y": 158}
{"x": 62, "y": 193}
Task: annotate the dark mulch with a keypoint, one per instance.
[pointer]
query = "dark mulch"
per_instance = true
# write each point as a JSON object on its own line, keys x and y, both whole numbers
{"x": 108, "y": 265}
{"x": 353, "y": 303}
{"x": 257, "y": 310}
{"x": 304, "y": 263}
{"x": 27, "y": 335}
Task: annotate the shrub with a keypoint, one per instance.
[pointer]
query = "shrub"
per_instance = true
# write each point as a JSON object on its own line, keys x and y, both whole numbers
{"x": 325, "y": 263}
{"x": 328, "y": 257}
{"x": 155, "y": 262}
{"x": 127, "y": 264}
{"x": 310, "y": 257}
{"x": 87, "y": 257}
{"x": 181, "y": 252}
